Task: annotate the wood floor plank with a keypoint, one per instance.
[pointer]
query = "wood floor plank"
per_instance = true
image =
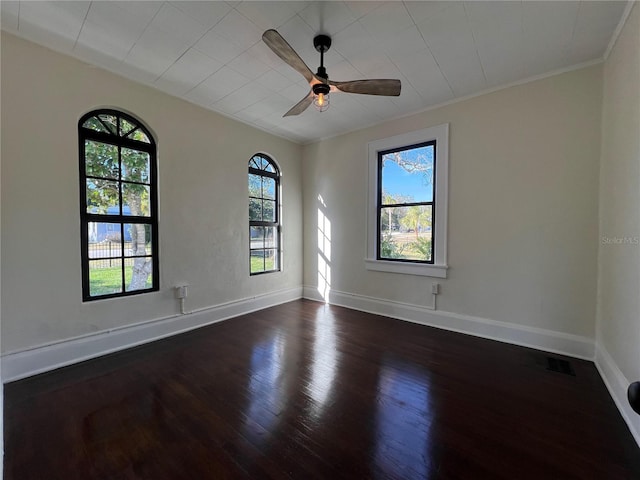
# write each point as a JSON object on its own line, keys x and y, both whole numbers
{"x": 309, "y": 391}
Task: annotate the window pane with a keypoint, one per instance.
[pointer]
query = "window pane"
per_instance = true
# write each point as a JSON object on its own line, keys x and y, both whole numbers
{"x": 255, "y": 186}
{"x": 255, "y": 209}
{"x": 94, "y": 124}
{"x": 257, "y": 261}
{"x": 104, "y": 240}
{"x": 105, "y": 277}
{"x": 407, "y": 176}
{"x": 405, "y": 233}
{"x": 389, "y": 220}
{"x": 271, "y": 237}
{"x": 140, "y": 136}
{"x": 110, "y": 121}
{"x": 103, "y": 197}
{"x": 268, "y": 188}
{"x": 257, "y": 237}
{"x": 138, "y": 273}
{"x": 268, "y": 167}
{"x": 137, "y": 239}
{"x": 136, "y": 200}
{"x": 135, "y": 165}
{"x": 126, "y": 127}
{"x": 269, "y": 211}
{"x": 270, "y": 260}
{"x": 101, "y": 160}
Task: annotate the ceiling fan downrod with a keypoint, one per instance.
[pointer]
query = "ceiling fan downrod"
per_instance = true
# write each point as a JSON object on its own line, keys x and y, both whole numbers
{"x": 322, "y": 43}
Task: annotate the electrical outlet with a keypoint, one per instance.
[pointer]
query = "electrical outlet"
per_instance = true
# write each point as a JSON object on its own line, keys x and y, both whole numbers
{"x": 435, "y": 288}
{"x": 181, "y": 291}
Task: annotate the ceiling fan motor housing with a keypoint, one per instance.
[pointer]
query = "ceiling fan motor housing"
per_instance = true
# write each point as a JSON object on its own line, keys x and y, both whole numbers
{"x": 321, "y": 88}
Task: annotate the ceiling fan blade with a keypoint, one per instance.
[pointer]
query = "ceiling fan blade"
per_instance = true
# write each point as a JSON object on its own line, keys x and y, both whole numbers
{"x": 281, "y": 48}
{"x": 301, "y": 106}
{"x": 370, "y": 87}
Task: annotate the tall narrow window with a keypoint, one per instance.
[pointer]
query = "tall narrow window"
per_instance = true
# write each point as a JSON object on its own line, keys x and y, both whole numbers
{"x": 118, "y": 206}
{"x": 407, "y": 211}
{"x": 264, "y": 215}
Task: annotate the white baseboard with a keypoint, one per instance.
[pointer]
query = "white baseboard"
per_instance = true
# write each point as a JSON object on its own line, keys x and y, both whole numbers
{"x": 43, "y": 358}
{"x": 617, "y": 385}
{"x": 538, "y": 338}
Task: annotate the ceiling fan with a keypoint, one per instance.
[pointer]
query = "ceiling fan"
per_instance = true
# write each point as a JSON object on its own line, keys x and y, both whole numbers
{"x": 320, "y": 84}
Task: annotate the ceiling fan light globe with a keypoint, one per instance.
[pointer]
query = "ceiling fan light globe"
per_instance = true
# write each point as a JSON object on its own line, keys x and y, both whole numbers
{"x": 321, "y": 101}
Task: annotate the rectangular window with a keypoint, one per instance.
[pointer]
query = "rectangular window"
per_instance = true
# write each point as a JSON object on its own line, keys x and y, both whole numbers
{"x": 406, "y": 203}
{"x": 407, "y": 211}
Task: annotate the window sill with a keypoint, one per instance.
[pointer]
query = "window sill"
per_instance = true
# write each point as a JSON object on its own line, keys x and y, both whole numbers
{"x": 439, "y": 271}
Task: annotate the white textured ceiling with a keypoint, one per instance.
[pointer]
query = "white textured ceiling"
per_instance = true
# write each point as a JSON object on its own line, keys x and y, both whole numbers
{"x": 211, "y": 53}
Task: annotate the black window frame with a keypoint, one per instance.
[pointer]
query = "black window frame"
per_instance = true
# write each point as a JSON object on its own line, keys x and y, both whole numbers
{"x": 432, "y": 203}
{"x": 262, "y": 223}
{"x": 119, "y": 141}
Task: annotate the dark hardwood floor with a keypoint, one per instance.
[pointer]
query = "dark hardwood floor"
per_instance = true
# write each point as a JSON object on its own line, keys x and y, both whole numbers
{"x": 308, "y": 391}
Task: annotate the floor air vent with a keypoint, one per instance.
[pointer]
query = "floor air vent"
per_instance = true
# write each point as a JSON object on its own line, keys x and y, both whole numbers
{"x": 560, "y": 366}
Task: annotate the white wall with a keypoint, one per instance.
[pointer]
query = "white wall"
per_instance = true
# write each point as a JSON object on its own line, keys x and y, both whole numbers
{"x": 523, "y": 206}
{"x": 619, "y": 257}
{"x": 1, "y": 382}
{"x": 203, "y": 201}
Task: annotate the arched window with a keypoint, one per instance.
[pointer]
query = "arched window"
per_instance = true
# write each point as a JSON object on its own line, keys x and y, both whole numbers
{"x": 264, "y": 215}
{"x": 118, "y": 206}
